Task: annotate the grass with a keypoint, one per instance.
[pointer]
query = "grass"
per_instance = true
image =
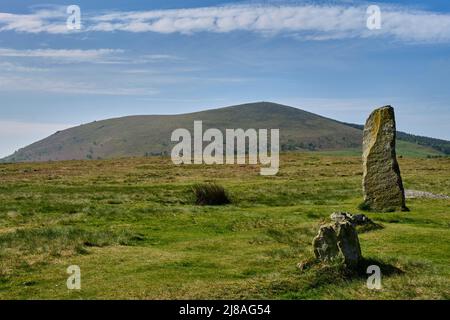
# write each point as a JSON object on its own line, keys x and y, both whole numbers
{"x": 408, "y": 149}
{"x": 134, "y": 230}
{"x": 404, "y": 149}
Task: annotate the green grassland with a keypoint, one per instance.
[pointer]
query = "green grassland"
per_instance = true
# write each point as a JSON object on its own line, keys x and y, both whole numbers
{"x": 404, "y": 149}
{"x": 132, "y": 227}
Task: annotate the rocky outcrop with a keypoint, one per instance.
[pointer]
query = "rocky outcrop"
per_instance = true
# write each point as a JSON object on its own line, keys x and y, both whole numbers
{"x": 382, "y": 183}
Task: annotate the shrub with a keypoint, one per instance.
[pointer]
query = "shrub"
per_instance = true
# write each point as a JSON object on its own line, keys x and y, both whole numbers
{"x": 210, "y": 194}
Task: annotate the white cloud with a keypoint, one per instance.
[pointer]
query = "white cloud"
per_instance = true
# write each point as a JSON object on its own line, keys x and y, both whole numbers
{"x": 267, "y": 19}
{"x": 50, "y": 21}
{"x": 311, "y": 22}
{"x": 417, "y": 26}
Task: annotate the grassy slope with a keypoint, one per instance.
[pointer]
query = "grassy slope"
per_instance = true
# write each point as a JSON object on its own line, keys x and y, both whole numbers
{"x": 408, "y": 149}
{"x": 131, "y": 226}
{"x": 440, "y": 146}
{"x": 404, "y": 149}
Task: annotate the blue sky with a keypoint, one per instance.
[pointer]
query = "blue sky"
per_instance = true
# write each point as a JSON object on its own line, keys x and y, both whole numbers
{"x": 165, "y": 57}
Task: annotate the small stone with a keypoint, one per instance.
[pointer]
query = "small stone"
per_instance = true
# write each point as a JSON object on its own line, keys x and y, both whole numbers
{"x": 302, "y": 266}
{"x": 354, "y": 219}
{"x": 348, "y": 243}
{"x": 341, "y": 216}
{"x": 339, "y": 239}
{"x": 360, "y": 219}
{"x": 325, "y": 244}
{"x": 13, "y": 214}
{"x": 382, "y": 182}
{"x": 361, "y": 222}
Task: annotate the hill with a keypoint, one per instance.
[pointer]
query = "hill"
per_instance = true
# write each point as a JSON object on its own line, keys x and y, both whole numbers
{"x": 147, "y": 135}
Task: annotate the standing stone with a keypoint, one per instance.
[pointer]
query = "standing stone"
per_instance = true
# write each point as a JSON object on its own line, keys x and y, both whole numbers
{"x": 382, "y": 183}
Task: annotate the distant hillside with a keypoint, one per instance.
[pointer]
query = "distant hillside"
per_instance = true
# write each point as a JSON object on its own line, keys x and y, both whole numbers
{"x": 150, "y": 134}
{"x": 439, "y": 145}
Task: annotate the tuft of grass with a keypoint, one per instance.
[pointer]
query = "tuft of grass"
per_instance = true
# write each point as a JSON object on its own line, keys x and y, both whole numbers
{"x": 210, "y": 194}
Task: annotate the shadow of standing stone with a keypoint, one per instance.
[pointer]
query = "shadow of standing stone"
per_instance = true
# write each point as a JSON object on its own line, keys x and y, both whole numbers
{"x": 382, "y": 183}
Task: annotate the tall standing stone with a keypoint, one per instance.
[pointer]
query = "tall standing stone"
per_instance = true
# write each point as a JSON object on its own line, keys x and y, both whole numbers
{"x": 382, "y": 183}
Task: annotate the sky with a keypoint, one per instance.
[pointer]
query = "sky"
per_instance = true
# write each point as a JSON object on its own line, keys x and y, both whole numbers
{"x": 167, "y": 57}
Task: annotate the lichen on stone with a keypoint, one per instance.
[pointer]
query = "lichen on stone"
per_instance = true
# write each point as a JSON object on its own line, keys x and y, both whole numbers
{"x": 382, "y": 182}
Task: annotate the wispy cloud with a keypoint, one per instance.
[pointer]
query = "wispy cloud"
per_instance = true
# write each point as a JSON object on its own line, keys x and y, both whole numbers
{"x": 99, "y": 56}
{"x": 22, "y": 71}
{"x": 311, "y": 22}
{"x": 62, "y": 54}
{"x": 18, "y": 83}
{"x": 14, "y": 67}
